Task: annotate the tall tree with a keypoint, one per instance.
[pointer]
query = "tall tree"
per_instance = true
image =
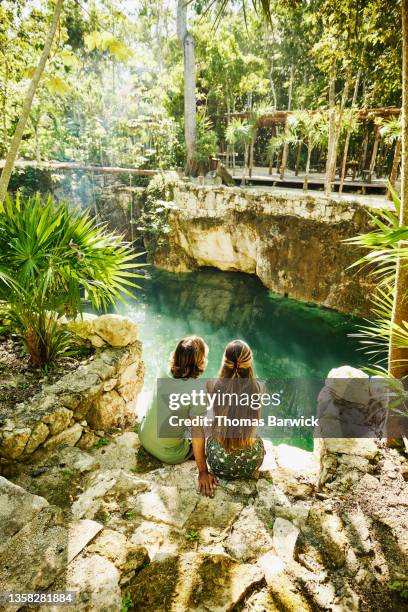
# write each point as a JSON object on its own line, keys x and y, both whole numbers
{"x": 28, "y": 100}
{"x": 190, "y": 107}
{"x": 400, "y": 306}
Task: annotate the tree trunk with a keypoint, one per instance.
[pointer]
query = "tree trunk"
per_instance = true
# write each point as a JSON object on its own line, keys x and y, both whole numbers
{"x": 396, "y": 367}
{"x": 251, "y": 153}
{"x": 331, "y": 167}
{"x": 395, "y": 164}
{"x": 298, "y": 152}
{"x": 364, "y": 149}
{"x": 190, "y": 108}
{"x": 306, "y": 179}
{"x": 285, "y": 153}
{"x": 22, "y": 122}
{"x": 348, "y": 135}
{"x": 332, "y": 127}
{"x": 246, "y": 155}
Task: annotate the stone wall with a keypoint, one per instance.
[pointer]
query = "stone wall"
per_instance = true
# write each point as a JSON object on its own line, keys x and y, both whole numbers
{"x": 79, "y": 408}
{"x": 293, "y": 243}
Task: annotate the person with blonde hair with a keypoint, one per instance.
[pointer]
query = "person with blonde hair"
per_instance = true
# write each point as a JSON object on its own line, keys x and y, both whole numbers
{"x": 231, "y": 452}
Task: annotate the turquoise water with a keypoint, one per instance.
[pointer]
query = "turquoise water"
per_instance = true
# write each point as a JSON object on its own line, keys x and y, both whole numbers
{"x": 289, "y": 339}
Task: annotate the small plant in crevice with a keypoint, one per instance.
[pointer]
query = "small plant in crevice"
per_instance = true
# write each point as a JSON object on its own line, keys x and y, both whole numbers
{"x": 192, "y": 536}
{"x": 129, "y": 515}
{"x": 101, "y": 442}
{"x": 127, "y": 602}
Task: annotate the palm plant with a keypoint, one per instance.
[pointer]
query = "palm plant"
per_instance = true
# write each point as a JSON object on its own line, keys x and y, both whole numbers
{"x": 313, "y": 130}
{"x": 51, "y": 258}
{"x": 387, "y": 244}
{"x": 240, "y": 134}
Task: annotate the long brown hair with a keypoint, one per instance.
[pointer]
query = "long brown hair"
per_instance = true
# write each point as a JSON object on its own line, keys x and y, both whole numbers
{"x": 236, "y": 376}
{"x": 237, "y": 361}
{"x": 189, "y": 358}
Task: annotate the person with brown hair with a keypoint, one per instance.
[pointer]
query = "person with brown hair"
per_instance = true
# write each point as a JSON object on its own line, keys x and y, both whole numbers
{"x": 231, "y": 451}
{"x": 187, "y": 363}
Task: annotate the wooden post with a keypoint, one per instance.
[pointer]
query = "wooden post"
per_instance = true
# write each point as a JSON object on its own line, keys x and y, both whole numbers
{"x": 364, "y": 149}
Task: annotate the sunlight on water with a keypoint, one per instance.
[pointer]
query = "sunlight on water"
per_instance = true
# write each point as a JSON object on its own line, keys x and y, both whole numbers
{"x": 289, "y": 339}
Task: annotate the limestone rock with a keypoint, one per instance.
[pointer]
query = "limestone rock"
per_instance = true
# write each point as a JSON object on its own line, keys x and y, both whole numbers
{"x": 226, "y": 229}
{"x": 106, "y": 483}
{"x": 270, "y": 496}
{"x": 96, "y": 581}
{"x": 58, "y": 420}
{"x": 362, "y": 447}
{"x": 160, "y": 540}
{"x": 17, "y": 507}
{"x": 329, "y": 527}
{"x": 87, "y": 440}
{"x": 68, "y": 437}
{"x": 249, "y": 538}
{"x": 284, "y": 538}
{"x": 78, "y": 389}
{"x": 193, "y": 582}
{"x": 13, "y": 443}
{"x": 120, "y": 453}
{"x": 218, "y": 512}
{"x": 281, "y": 588}
{"x": 38, "y": 436}
{"x": 36, "y": 554}
{"x": 115, "y": 547}
{"x": 130, "y": 382}
{"x": 80, "y": 533}
{"x": 109, "y": 329}
{"x": 166, "y": 505}
{"x": 107, "y": 411}
{"x": 75, "y": 459}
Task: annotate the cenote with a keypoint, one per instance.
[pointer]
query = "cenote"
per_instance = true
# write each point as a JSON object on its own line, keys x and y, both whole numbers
{"x": 289, "y": 339}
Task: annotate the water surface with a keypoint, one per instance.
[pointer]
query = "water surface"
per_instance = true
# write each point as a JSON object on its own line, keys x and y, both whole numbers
{"x": 289, "y": 339}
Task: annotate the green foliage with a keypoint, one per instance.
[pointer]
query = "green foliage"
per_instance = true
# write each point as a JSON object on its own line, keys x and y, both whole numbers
{"x": 384, "y": 250}
{"x": 206, "y": 141}
{"x": 51, "y": 258}
{"x": 127, "y": 602}
{"x": 400, "y": 587}
{"x": 239, "y": 133}
{"x": 192, "y": 536}
{"x": 101, "y": 442}
{"x": 153, "y": 223}
{"x": 130, "y": 515}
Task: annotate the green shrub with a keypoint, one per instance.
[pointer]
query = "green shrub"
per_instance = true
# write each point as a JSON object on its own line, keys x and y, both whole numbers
{"x": 51, "y": 258}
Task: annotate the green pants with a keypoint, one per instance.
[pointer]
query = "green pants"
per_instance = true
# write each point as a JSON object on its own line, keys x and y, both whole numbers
{"x": 240, "y": 463}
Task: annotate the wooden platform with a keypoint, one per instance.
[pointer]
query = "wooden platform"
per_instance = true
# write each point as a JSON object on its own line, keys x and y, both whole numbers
{"x": 261, "y": 176}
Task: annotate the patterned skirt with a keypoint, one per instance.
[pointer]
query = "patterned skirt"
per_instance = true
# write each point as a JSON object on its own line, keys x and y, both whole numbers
{"x": 240, "y": 463}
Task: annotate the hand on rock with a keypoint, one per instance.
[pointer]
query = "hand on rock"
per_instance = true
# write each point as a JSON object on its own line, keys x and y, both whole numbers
{"x": 207, "y": 483}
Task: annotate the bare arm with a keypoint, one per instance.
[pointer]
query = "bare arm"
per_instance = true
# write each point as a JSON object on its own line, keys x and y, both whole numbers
{"x": 206, "y": 481}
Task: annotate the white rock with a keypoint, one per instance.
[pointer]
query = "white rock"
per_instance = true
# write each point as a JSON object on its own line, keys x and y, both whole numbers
{"x": 80, "y": 533}
{"x": 17, "y": 507}
{"x": 284, "y": 538}
{"x": 96, "y": 581}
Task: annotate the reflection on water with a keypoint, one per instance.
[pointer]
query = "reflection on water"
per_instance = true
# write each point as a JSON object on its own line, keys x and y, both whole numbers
{"x": 288, "y": 338}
